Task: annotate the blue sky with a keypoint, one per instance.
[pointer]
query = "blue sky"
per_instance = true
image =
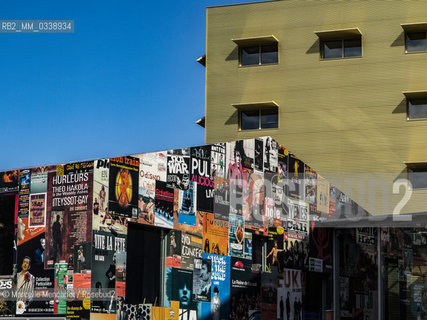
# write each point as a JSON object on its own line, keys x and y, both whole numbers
{"x": 126, "y": 81}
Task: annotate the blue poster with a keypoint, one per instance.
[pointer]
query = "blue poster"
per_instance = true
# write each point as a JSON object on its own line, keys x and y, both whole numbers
{"x": 219, "y": 308}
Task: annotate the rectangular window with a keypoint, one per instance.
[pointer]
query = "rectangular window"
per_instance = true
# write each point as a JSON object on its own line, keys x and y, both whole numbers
{"x": 259, "y": 54}
{"x": 341, "y": 48}
{"x": 416, "y": 41}
{"x": 417, "y": 175}
{"x": 259, "y": 118}
{"x": 417, "y": 108}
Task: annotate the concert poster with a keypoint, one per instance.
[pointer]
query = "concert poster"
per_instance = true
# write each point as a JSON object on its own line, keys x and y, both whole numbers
{"x": 69, "y": 207}
{"x": 178, "y": 168}
{"x": 289, "y": 295}
{"x": 123, "y": 187}
{"x": 191, "y": 248}
{"x": 164, "y": 203}
{"x": 37, "y": 212}
{"x": 205, "y": 197}
{"x": 218, "y": 160}
{"x": 215, "y": 235}
{"x": 200, "y": 164}
{"x": 236, "y": 235}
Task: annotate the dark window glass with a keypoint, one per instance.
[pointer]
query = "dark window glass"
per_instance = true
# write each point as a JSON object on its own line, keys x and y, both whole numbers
{"x": 269, "y": 54}
{"x": 332, "y": 49}
{"x": 269, "y": 118}
{"x": 416, "y": 41}
{"x": 249, "y": 120}
{"x": 418, "y": 177}
{"x": 417, "y": 108}
{"x": 250, "y": 56}
{"x": 353, "y": 48}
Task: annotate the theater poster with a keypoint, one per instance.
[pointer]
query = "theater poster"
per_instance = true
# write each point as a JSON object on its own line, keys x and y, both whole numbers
{"x": 245, "y": 289}
{"x": 221, "y": 198}
{"x": 107, "y": 253}
{"x": 236, "y": 235}
{"x": 215, "y": 235}
{"x": 123, "y": 190}
{"x": 178, "y": 168}
{"x": 219, "y": 307}
{"x": 163, "y": 212}
{"x": 37, "y": 212}
{"x": 191, "y": 248}
{"x": 289, "y": 295}
{"x": 218, "y": 160}
{"x": 69, "y": 207}
{"x": 152, "y": 167}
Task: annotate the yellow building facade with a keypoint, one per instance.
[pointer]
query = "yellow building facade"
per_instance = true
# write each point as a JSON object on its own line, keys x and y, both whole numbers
{"x": 347, "y": 116}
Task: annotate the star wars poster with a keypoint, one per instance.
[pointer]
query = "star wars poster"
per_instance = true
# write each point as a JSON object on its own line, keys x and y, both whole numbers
{"x": 191, "y": 248}
{"x": 187, "y": 203}
{"x": 173, "y": 249}
{"x": 221, "y": 198}
{"x": 218, "y": 159}
{"x": 289, "y": 295}
{"x": 296, "y": 177}
{"x": 219, "y": 307}
{"x": 322, "y": 195}
{"x": 245, "y": 290}
{"x": 270, "y": 154}
{"x": 164, "y": 200}
{"x": 254, "y": 202}
{"x": 37, "y": 212}
{"x": 123, "y": 190}
{"x": 178, "y": 168}
{"x": 200, "y": 164}
{"x": 9, "y": 181}
{"x": 31, "y": 277}
{"x": 152, "y": 167}
{"x": 310, "y": 185}
{"x": 236, "y": 229}
{"x": 269, "y": 295}
{"x": 215, "y": 235}
{"x": 106, "y": 249}
{"x": 70, "y": 207}
{"x": 202, "y": 280}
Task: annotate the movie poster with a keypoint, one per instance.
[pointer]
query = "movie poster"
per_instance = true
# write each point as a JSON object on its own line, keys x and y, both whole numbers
{"x": 187, "y": 203}
{"x": 37, "y": 213}
{"x": 270, "y": 154}
{"x": 123, "y": 190}
{"x": 245, "y": 290}
{"x": 41, "y": 281}
{"x": 218, "y": 159}
{"x": 178, "y": 168}
{"x": 191, "y": 248}
{"x": 69, "y": 207}
{"x": 221, "y": 198}
{"x": 322, "y": 195}
{"x": 297, "y": 224}
{"x": 164, "y": 200}
{"x": 259, "y": 155}
{"x": 310, "y": 185}
{"x": 254, "y": 202}
{"x": 24, "y": 191}
{"x": 269, "y": 295}
{"x": 215, "y": 235}
{"x": 106, "y": 251}
{"x": 236, "y": 235}
{"x": 152, "y": 167}
{"x": 296, "y": 177}
{"x": 289, "y": 295}
{"x": 173, "y": 249}
{"x": 219, "y": 308}
{"x": 9, "y": 181}
{"x": 202, "y": 280}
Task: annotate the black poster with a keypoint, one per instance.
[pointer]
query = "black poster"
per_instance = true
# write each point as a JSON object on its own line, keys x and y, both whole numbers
{"x": 123, "y": 190}
{"x": 178, "y": 171}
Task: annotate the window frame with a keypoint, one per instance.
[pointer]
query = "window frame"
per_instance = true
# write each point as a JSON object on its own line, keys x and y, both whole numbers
{"x": 259, "y": 45}
{"x": 342, "y": 40}
{"x": 342, "y": 35}
{"x": 415, "y": 165}
{"x": 259, "y": 108}
{"x": 406, "y": 41}
{"x": 414, "y": 96}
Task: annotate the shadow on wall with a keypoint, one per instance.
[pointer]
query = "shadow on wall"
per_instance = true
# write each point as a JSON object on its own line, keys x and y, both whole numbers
{"x": 401, "y": 107}
{"x": 399, "y": 41}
